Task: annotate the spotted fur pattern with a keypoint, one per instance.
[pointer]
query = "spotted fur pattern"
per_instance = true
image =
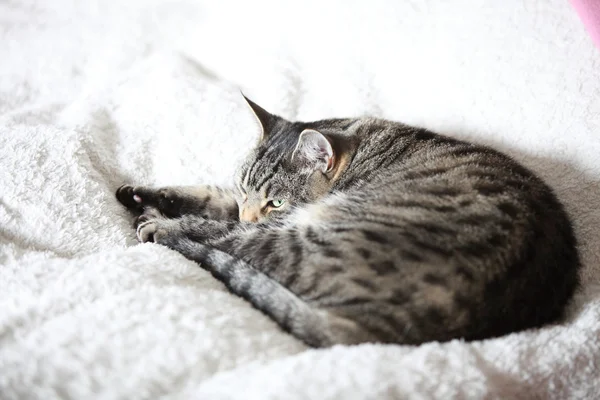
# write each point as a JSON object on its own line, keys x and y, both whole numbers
{"x": 388, "y": 233}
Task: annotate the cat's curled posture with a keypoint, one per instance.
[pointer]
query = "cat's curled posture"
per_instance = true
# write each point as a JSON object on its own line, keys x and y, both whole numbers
{"x": 347, "y": 231}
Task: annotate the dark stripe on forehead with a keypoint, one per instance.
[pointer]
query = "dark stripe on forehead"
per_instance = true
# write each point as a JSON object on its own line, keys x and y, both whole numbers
{"x": 268, "y": 189}
{"x": 281, "y": 141}
{"x": 266, "y": 177}
{"x": 270, "y": 175}
{"x": 259, "y": 181}
{"x": 254, "y": 163}
{"x": 261, "y": 154}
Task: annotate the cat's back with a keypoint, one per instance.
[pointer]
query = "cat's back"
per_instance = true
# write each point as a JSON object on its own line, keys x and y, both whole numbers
{"x": 457, "y": 218}
{"x": 393, "y": 161}
{"x": 385, "y": 150}
{"x": 411, "y": 174}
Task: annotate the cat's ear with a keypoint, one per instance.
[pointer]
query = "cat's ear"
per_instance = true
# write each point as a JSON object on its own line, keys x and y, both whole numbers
{"x": 266, "y": 120}
{"x": 314, "y": 151}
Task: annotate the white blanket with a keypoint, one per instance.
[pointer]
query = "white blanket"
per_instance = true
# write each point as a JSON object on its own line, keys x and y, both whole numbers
{"x": 95, "y": 94}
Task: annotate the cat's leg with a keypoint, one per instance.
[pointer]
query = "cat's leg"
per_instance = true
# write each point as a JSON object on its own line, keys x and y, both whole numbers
{"x": 153, "y": 226}
{"x": 315, "y": 327}
{"x": 209, "y": 202}
{"x": 266, "y": 291}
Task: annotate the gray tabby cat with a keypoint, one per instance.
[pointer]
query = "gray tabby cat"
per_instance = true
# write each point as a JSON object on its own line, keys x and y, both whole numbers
{"x": 347, "y": 231}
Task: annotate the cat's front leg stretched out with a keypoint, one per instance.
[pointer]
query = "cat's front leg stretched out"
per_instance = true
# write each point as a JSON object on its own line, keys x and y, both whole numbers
{"x": 199, "y": 212}
{"x": 208, "y": 202}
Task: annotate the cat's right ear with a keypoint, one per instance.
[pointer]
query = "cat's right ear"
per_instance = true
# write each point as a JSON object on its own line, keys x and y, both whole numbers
{"x": 314, "y": 152}
{"x": 266, "y": 120}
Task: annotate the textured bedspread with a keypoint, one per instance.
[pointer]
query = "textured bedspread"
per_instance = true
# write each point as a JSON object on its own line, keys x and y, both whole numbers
{"x": 95, "y": 94}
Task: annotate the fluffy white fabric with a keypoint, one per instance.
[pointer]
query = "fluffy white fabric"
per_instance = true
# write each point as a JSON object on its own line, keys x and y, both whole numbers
{"x": 95, "y": 94}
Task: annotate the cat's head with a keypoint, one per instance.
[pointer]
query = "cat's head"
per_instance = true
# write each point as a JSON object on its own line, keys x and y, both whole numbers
{"x": 291, "y": 165}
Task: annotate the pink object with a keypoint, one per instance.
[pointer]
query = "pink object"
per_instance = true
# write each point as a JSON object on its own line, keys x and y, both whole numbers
{"x": 589, "y": 12}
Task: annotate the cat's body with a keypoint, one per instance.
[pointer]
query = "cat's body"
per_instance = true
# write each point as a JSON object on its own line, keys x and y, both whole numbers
{"x": 365, "y": 230}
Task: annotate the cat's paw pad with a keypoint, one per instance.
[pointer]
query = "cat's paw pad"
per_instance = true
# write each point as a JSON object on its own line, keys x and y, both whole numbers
{"x": 126, "y": 194}
{"x": 138, "y": 198}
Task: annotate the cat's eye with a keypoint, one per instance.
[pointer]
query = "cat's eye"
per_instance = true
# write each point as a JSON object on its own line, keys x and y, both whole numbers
{"x": 276, "y": 203}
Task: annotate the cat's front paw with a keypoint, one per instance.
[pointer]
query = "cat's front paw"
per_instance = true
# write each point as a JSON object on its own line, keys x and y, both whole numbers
{"x": 156, "y": 229}
{"x": 138, "y": 198}
{"x": 127, "y": 196}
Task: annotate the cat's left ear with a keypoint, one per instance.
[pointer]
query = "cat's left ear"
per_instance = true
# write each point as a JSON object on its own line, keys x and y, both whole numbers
{"x": 266, "y": 120}
{"x": 314, "y": 151}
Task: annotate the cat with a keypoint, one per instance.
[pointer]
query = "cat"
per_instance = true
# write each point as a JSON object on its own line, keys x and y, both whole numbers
{"x": 346, "y": 231}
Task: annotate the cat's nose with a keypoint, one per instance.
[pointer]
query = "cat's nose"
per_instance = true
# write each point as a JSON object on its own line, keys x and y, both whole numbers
{"x": 248, "y": 215}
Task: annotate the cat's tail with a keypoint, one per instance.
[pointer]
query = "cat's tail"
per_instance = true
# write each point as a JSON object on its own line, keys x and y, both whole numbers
{"x": 315, "y": 327}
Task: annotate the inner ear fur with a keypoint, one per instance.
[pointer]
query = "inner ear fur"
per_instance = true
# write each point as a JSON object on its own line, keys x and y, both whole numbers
{"x": 314, "y": 151}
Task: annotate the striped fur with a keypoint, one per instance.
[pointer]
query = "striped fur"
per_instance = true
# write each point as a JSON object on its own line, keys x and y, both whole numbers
{"x": 402, "y": 236}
